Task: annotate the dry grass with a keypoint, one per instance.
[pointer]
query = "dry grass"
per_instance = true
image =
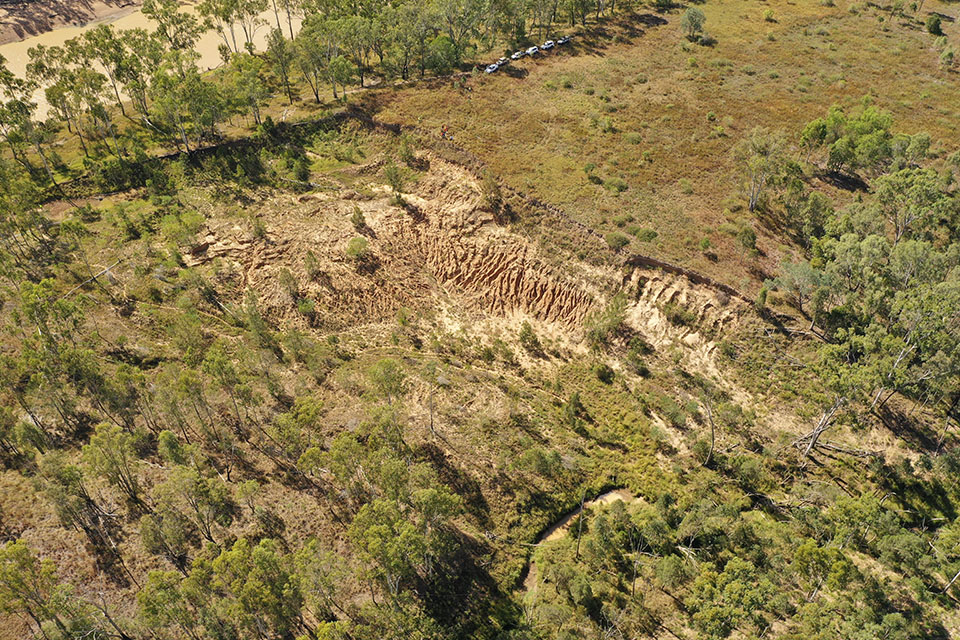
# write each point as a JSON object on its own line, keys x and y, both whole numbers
{"x": 646, "y": 107}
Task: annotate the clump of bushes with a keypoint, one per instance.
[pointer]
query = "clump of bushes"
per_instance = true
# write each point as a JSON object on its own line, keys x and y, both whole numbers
{"x": 617, "y": 185}
{"x": 529, "y": 340}
{"x": 358, "y": 249}
{"x": 679, "y": 316}
{"x": 646, "y": 235}
{"x": 616, "y": 240}
{"x": 603, "y": 372}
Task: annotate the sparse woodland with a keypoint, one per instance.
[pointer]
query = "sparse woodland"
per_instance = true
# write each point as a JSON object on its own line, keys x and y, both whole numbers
{"x": 661, "y": 338}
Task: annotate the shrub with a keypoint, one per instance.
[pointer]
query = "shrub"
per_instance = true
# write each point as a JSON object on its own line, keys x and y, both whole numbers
{"x": 685, "y": 186}
{"x": 677, "y": 315}
{"x": 357, "y": 219}
{"x": 768, "y": 16}
{"x": 528, "y": 339}
{"x": 616, "y": 240}
{"x": 933, "y": 25}
{"x": 311, "y": 264}
{"x": 601, "y": 325}
{"x": 259, "y": 228}
{"x": 672, "y": 411}
{"x": 396, "y": 179}
{"x": 635, "y": 352}
{"x": 405, "y": 151}
{"x": 616, "y": 185}
{"x": 492, "y": 195}
{"x": 646, "y": 235}
{"x": 358, "y": 249}
{"x": 603, "y": 372}
{"x": 946, "y": 58}
{"x": 306, "y": 306}
{"x": 761, "y": 302}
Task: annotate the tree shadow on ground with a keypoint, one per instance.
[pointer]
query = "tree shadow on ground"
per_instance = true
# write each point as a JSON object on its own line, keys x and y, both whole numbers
{"x": 462, "y": 595}
{"x": 460, "y": 482}
{"x": 844, "y": 181}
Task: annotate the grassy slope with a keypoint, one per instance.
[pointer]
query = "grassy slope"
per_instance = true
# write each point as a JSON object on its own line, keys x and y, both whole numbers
{"x": 537, "y": 123}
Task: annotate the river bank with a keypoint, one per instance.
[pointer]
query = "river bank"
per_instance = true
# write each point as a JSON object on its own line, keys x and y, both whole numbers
{"x": 26, "y": 19}
{"x": 123, "y": 14}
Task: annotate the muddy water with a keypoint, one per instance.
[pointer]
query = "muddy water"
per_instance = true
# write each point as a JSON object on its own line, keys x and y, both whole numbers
{"x": 559, "y": 529}
{"x": 207, "y": 45}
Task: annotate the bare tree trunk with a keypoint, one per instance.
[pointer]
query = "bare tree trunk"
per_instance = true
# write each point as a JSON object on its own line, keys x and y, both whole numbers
{"x": 713, "y": 433}
{"x": 826, "y": 419}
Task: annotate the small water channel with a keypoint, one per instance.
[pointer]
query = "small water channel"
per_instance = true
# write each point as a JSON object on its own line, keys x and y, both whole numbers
{"x": 560, "y": 528}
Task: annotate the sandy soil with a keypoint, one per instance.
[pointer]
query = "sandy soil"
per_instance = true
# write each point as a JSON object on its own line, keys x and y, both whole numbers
{"x": 26, "y": 18}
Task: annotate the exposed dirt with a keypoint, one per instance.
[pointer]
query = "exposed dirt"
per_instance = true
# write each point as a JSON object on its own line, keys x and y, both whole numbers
{"x": 444, "y": 249}
{"x": 27, "y": 18}
{"x": 712, "y": 310}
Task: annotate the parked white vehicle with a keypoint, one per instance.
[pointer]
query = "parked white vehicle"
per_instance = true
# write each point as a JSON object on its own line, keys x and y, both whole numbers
{"x": 491, "y": 68}
{"x": 533, "y": 50}
{"x": 548, "y": 45}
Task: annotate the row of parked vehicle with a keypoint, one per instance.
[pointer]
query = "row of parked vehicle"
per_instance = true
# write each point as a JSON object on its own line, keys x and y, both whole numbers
{"x": 532, "y": 51}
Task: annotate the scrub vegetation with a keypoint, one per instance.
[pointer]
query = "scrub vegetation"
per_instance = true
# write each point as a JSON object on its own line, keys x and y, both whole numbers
{"x": 653, "y": 333}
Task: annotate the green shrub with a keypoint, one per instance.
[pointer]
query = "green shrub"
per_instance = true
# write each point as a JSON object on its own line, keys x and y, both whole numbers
{"x": 601, "y": 325}
{"x": 635, "y": 353}
{"x": 617, "y": 185}
{"x": 933, "y": 25}
{"x": 358, "y": 249}
{"x": 646, "y": 235}
{"x": 528, "y": 339}
{"x": 603, "y": 372}
{"x": 357, "y": 219}
{"x": 678, "y": 315}
{"x": 616, "y": 240}
{"x": 672, "y": 411}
